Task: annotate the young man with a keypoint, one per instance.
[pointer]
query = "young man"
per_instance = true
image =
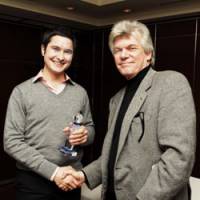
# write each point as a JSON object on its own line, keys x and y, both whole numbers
{"x": 38, "y": 111}
{"x": 149, "y": 149}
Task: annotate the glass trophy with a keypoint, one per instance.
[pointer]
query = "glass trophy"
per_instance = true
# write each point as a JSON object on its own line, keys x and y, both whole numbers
{"x": 69, "y": 149}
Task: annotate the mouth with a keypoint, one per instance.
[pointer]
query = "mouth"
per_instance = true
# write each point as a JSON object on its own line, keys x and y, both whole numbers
{"x": 125, "y": 64}
{"x": 58, "y": 64}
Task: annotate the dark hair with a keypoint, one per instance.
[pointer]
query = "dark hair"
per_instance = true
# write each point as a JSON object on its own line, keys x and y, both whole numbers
{"x": 60, "y": 31}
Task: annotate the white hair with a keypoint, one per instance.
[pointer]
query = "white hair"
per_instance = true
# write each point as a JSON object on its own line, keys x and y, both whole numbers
{"x": 127, "y": 27}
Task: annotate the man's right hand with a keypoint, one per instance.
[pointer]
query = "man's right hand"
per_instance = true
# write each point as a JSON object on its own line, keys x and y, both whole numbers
{"x": 67, "y": 178}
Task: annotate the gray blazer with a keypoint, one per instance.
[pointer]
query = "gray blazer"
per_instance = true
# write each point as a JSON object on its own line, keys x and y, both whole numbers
{"x": 157, "y": 141}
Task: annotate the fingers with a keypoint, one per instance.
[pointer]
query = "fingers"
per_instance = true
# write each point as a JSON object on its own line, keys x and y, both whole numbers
{"x": 79, "y": 136}
{"x": 62, "y": 174}
{"x": 76, "y": 136}
{"x": 70, "y": 182}
{"x": 67, "y": 178}
{"x": 66, "y": 171}
{"x": 67, "y": 130}
{"x": 80, "y": 177}
{"x": 75, "y": 180}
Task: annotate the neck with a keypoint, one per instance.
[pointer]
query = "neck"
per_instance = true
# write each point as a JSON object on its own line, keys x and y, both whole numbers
{"x": 142, "y": 73}
{"x": 53, "y": 77}
{"x": 138, "y": 72}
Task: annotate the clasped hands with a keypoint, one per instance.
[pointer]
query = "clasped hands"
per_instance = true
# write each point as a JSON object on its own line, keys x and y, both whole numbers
{"x": 67, "y": 178}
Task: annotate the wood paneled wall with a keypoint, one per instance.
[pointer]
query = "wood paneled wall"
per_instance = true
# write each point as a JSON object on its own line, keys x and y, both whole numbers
{"x": 19, "y": 54}
{"x": 177, "y": 43}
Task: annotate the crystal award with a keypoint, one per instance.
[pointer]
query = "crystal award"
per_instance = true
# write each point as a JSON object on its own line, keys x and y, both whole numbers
{"x": 67, "y": 149}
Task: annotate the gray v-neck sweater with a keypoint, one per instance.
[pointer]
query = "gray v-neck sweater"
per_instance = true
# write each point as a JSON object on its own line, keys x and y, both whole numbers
{"x": 34, "y": 125}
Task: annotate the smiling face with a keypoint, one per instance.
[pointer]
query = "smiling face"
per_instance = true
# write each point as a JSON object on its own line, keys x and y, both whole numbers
{"x": 129, "y": 55}
{"x": 57, "y": 54}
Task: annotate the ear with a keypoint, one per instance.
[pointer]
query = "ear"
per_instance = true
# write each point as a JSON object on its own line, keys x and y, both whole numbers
{"x": 42, "y": 50}
{"x": 149, "y": 56}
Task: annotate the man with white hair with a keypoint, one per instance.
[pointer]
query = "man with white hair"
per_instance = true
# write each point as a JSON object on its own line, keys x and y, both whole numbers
{"x": 148, "y": 152}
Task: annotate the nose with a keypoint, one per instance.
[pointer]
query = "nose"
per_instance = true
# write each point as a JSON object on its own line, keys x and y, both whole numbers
{"x": 124, "y": 54}
{"x": 60, "y": 55}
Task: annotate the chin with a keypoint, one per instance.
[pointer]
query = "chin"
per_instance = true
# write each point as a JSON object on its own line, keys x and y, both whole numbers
{"x": 58, "y": 71}
{"x": 129, "y": 76}
{"x": 126, "y": 74}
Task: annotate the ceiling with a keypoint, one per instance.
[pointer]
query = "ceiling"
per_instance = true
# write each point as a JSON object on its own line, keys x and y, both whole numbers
{"x": 93, "y": 12}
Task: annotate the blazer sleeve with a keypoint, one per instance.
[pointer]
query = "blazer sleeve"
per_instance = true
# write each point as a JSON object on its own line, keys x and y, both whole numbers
{"x": 176, "y": 132}
{"x": 93, "y": 173}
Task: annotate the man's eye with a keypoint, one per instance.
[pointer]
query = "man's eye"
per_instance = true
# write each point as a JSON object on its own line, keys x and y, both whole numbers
{"x": 55, "y": 48}
{"x": 116, "y": 50}
{"x": 69, "y": 51}
{"x": 132, "y": 48}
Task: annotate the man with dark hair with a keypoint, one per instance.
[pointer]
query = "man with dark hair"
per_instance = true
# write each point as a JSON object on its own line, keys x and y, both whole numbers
{"x": 38, "y": 111}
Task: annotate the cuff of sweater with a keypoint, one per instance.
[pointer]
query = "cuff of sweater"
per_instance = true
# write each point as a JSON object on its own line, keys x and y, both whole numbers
{"x": 54, "y": 174}
{"x": 47, "y": 169}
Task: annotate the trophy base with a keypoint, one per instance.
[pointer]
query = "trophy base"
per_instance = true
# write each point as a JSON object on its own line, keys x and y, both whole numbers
{"x": 67, "y": 151}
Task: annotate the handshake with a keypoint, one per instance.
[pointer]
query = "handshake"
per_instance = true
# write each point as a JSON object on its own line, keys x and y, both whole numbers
{"x": 67, "y": 178}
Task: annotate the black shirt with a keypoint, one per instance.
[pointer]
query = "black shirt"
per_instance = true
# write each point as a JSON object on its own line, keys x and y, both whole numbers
{"x": 131, "y": 88}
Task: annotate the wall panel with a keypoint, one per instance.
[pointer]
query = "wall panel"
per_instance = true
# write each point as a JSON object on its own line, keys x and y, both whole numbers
{"x": 175, "y": 47}
{"x": 196, "y": 171}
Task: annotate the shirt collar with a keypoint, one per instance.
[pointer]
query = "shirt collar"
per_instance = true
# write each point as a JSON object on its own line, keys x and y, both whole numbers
{"x": 40, "y": 76}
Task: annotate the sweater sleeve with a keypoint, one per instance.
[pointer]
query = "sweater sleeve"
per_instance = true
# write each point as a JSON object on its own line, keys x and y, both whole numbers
{"x": 15, "y": 142}
{"x": 88, "y": 122}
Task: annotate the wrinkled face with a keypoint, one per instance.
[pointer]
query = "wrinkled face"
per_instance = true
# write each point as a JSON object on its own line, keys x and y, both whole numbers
{"x": 58, "y": 54}
{"x": 130, "y": 57}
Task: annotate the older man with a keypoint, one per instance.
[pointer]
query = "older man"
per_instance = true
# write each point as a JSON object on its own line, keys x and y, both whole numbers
{"x": 148, "y": 152}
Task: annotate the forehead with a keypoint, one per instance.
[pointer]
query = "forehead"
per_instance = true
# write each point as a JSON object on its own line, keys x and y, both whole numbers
{"x": 127, "y": 39}
{"x": 61, "y": 41}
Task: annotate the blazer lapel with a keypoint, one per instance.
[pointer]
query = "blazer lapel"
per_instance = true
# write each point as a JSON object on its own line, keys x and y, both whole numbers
{"x": 113, "y": 114}
{"x": 134, "y": 108}
{"x": 108, "y": 139}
